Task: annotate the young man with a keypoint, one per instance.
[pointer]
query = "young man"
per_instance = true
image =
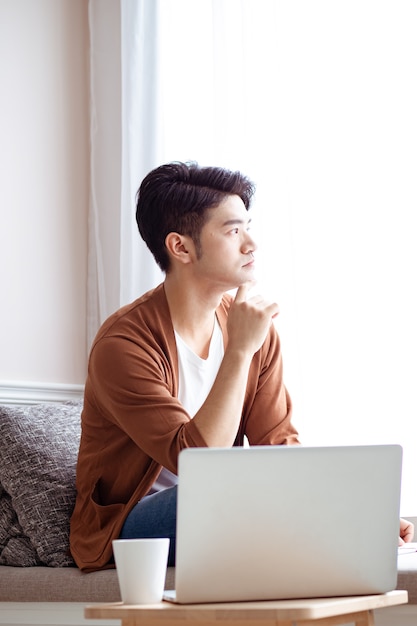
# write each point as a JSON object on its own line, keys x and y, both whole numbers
{"x": 185, "y": 365}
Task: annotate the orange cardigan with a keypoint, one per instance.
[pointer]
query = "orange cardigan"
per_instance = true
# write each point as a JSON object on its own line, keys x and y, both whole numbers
{"x": 133, "y": 423}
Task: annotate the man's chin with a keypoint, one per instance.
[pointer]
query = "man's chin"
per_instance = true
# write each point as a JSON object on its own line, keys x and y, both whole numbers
{"x": 250, "y": 282}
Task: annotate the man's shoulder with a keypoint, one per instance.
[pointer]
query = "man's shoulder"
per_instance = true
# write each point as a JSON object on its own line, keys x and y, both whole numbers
{"x": 149, "y": 309}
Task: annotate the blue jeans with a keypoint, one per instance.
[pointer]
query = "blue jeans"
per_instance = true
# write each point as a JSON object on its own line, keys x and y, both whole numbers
{"x": 154, "y": 516}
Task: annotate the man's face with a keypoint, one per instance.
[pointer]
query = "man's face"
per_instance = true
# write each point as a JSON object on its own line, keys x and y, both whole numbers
{"x": 226, "y": 248}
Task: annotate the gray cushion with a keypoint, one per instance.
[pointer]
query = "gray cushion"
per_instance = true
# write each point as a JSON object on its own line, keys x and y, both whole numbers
{"x": 15, "y": 546}
{"x": 69, "y": 584}
{"x": 38, "y": 455}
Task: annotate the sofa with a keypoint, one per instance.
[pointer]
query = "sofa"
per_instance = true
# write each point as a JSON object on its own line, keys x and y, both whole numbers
{"x": 38, "y": 455}
{"x": 39, "y": 581}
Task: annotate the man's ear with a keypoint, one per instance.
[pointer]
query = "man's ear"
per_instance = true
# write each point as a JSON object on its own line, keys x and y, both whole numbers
{"x": 180, "y": 247}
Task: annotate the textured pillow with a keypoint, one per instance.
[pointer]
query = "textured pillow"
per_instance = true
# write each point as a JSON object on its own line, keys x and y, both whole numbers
{"x": 15, "y": 547}
{"x": 38, "y": 454}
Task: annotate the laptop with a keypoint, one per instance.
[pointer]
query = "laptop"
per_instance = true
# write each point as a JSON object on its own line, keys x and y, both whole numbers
{"x": 278, "y": 522}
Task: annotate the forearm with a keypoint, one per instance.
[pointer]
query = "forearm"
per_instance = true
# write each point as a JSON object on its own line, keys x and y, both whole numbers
{"x": 219, "y": 417}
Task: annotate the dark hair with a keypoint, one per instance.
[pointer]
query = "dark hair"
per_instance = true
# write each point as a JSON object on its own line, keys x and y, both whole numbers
{"x": 175, "y": 198}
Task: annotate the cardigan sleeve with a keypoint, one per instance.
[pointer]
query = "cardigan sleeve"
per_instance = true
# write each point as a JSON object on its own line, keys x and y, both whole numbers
{"x": 267, "y": 414}
{"x": 134, "y": 388}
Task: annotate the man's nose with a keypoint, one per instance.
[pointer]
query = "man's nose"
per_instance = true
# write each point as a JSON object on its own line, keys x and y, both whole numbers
{"x": 250, "y": 244}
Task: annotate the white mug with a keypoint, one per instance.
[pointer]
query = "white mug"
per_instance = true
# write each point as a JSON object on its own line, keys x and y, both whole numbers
{"x": 141, "y": 566}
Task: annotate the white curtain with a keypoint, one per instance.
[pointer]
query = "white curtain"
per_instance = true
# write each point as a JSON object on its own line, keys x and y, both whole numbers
{"x": 125, "y": 145}
{"x": 105, "y": 144}
{"x": 316, "y": 102}
{"x": 142, "y": 146}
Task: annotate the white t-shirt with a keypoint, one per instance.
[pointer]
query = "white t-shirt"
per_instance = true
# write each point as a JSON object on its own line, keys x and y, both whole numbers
{"x": 196, "y": 378}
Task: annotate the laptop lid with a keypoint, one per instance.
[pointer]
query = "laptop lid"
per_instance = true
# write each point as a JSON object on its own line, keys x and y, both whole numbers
{"x": 275, "y": 522}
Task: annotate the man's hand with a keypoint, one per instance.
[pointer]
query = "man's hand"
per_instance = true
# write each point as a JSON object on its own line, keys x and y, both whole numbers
{"x": 249, "y": 320}
{"x": 406, "y": 532}
{"x": 248, "y": 324}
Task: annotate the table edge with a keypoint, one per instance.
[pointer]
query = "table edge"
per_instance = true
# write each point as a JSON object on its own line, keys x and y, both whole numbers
{"x": 311, "y": 608}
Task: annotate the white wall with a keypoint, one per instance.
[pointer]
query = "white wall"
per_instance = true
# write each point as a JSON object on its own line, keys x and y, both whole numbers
{"x": 44, "y": 179}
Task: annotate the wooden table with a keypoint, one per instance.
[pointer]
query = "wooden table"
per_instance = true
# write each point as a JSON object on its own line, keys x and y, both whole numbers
{"x": 312, "y": 612}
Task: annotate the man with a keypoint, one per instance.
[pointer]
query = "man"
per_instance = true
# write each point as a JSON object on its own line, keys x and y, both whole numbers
{"x": 185, "y": 365}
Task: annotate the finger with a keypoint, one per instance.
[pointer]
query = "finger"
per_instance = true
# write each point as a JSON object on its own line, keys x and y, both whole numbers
{"x": 241, "y": 293}
{"x": 271, "y": 308}
{"x": 274, "y": 310}
{"x": 406, "y": 530}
